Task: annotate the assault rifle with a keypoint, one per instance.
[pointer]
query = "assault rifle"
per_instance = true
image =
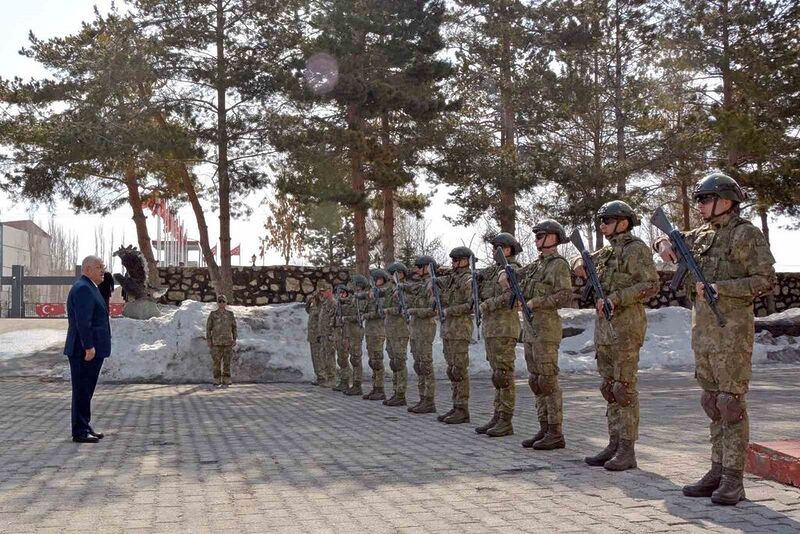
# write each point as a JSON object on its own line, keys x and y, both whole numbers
{"x": 401, "y": 297}
{"x": 511, "y": 276}
{"x": 338, "y": 319}
{"x": 476, "y": 295}
{"x": 358, "y": 311}
{"x": 594, "y": 280}
{"x": 377, "y": 294}
{"x": 437, "y": 293}
{"x": 686, "y": 263}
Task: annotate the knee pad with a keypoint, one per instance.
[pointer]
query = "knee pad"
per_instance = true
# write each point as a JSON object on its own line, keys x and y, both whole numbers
{"x": 547, "y": 384}
{"x": 459, "y": 374}
{"x": 533, "y": 382}
{"x": 708, "y": 400}
{"x": 450, "y": 373}
{"x": 606, "y": 389}
{"x": 731, "y": 407}
{"x": 502, "y": 379}
{"x": 417, "y": 368}
{"x": 394, "y": 365}
{"x": 376, "y": 365}
{"x": 623, "y": 394}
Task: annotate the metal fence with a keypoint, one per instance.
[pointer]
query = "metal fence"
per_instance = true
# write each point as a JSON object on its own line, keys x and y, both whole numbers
{"x": 18, "y": 283}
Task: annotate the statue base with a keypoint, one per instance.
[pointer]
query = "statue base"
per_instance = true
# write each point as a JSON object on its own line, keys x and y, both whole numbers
{"x": 141, "y": 309}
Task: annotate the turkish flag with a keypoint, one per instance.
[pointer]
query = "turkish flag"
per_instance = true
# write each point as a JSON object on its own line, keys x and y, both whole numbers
{"x": 214, "y": 251}
{"x": 236, "y": 251}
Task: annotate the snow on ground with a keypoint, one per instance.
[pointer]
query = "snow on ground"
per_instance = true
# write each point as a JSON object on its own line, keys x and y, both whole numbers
{"x": 272, "y": 345}
{"x": 21, "y": 343}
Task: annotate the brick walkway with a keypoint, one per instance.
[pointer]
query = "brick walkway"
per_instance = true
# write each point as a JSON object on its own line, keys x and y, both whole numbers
{"x": 294, "y": 458}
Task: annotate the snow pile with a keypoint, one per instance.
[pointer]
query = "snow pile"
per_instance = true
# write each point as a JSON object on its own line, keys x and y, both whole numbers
{"x": 272, "y": 345}
{"x": 22, "y": 343}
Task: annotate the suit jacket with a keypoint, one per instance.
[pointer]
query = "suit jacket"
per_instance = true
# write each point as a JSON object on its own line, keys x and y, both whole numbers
{"x": 89, "y": 325}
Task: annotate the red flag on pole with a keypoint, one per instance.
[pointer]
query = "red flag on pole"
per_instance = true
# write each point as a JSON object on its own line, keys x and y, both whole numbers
{"x": 214, "y": 251}
{"x": 236, "y": 251}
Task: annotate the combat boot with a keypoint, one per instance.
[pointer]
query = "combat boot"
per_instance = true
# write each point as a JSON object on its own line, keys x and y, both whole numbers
{"x": 375, "y": 394}
{"x": 445, "y": 415}
{"x": 459, "y": 415}
{"x": 625, "y": 457}
{"x": 493, "y": 421}
{"x": 606, "y": 454}
{"x": 706, "y": 485}
{"x": 503, "y": 426}
{"x": 731, "y": 488}
{"x": 354, "y": 390}
{"x": 341, "y": 386}
{"x": 554, "y": 439}
{"x": 528, "y": 443}
{"x": 426, "y": 405}
{"x": 396, "y": 400}
{"x": 411, "y": 409}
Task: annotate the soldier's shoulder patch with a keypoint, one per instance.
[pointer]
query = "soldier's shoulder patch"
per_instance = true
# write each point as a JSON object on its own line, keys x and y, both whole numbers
{"x": 747, "y": 231}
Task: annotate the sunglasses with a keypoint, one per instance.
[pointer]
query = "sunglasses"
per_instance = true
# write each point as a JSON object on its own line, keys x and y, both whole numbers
{"x": 540, "y": 235}
{"x": 608, "y": 220}
{"x": 704, "y": 199}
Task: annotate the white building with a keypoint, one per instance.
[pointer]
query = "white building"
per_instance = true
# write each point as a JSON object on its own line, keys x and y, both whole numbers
{"x": 22, "y": 243}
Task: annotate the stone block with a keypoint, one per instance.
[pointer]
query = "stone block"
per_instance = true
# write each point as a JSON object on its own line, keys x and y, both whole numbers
{"x": 775, "y": 460}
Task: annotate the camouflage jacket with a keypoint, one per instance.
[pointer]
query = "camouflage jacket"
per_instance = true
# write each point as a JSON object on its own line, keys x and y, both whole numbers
{"x": 394, "y": 324}
{"x": 221, "y": 328}
{"x": 547, "y": 285}
{"x": 457, "y": 302}
{"x": 312, "y": 308}
{"x": 420, "y": 307}
{"x": 629, "y": 278}
{"x": 373, "y": 324}
{"x": 327, "y": 316}
{"x": 498, "y": 319}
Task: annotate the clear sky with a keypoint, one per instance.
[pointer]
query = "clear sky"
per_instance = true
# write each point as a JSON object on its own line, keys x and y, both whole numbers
{"x": 49, "y": 18}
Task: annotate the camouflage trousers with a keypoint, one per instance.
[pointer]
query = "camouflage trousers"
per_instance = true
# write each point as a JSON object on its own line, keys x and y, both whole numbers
{"x": 456, "y": 354}
{"x": 221, "y": 363}
{"x": 341, "y": 344}
{"x": 397, "y": 347}
{"x": 541, "y": 359}
{"x": 375, "y": 354}
{"x": 316, "y": 362}
{"x": 619, "y": 367}
{"x": 725, "y": 379}
{"x": 327, "y": 360}
{"x": 422, "y": 351}
{"x": 501, "y": 353}
{"x": 356, "y": 364}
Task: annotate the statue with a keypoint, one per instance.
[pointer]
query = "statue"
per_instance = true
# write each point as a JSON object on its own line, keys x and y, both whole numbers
{"x": 140, "y": 297}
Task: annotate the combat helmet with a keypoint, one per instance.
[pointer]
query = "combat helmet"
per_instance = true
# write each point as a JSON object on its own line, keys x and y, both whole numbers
{"x": 504, "y": 239}
{"x": 397, "y": 267}
{"x": 342, "y": 287}
{"x": 619, "y": 209}
{"x": 380, "y": 273}
{"x": 720, "y": 185}
{"x": 424, "y": 260}
{"x": 460, "y": 252}
{"x": 360, "y": 281}
{"x": 552, "y": 227}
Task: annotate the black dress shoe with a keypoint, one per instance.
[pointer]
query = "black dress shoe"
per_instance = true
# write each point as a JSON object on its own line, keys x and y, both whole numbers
{"x": 86, "y": 438}
{"x": 98, "y": 435}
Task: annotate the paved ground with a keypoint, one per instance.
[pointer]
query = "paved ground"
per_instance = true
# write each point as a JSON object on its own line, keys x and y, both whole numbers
{"x": 295, "y": 458}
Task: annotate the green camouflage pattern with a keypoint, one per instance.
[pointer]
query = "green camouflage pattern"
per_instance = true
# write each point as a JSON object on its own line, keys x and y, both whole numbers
{"x": 354, "y": 335}
{"x": 457, "y": 331}
{"x": 327, "y": 313}
{"x": 735, "y": 257}
{"x": 312, "y": 308}
{"x": 375, "y": 335}
{"x": 422, "y": 330}
{"x": 221, "y": 328}
{"x": 547, "y": 286}
{"x": 397, "y": 336}
{"x": 221, "y": 356}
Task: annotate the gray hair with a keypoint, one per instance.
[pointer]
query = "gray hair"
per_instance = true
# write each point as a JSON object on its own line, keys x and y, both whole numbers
{"x": 90, "y": 261}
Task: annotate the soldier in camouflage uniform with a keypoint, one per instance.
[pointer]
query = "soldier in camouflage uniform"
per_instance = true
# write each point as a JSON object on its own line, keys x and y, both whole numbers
{"x": 340, "y": 340}
{"x": 457, "y": 332}
{"x": 547, "y": 285}
{"x": 374, "y": 331}
{"x": 735, "y": 258}
{"x": 422, "y": 329}
{"x": 354, "y": 332}
{"x": 397, "y": 335}
{"x": 629, "y": 278}
{"x": 312, "y": 308}
{"x": 501, "y": 331}
{"x": 221, "y": 337}
{"x": 327, "y": 355}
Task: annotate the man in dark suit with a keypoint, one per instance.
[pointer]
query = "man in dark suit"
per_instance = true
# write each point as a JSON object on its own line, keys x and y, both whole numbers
{"x": 88, "y": 344}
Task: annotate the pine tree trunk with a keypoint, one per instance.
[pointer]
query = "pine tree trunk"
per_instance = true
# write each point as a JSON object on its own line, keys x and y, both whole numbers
{"x": 357, "y": 183}
{"x": 507, "y": 210}
{"x": 226, "y": 273}
{"x": 685, "y": 206}
{"x": 727, "y": 77}
{"x": 619, "y": 114}
{"x": 140, "y": 221}
{"x": 387, "y": 233}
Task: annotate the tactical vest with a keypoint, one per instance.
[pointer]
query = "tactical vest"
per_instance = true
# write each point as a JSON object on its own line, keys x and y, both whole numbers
{"x": 713, "y": 251}
{"x": 607, "y": 261}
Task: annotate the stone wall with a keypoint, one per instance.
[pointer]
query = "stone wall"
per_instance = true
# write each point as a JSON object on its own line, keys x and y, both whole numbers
{"x": 252, "y": 286}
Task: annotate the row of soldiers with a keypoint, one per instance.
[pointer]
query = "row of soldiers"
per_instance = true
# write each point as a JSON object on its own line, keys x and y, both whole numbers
{"x": 731, "y": 265}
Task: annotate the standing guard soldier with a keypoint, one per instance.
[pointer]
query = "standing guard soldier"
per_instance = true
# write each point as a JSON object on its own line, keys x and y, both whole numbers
{"x": 422, "y": 329}
{"x": 221, "y": 336}
{"x": 340, "y": 340}
{"x": 397, "y": 334}
{"x": 736, "y": 260}
{"x": 457, "y": 333}
{"x": 374, "y": 332}
{"x": 312, "y": 308}
{"x": 327, "y": 355}
{"x": 501, "y": 331}
{"x": 354, "y": 332}
{"x": 629, "y": 278}
{"x": 547, "y": 285}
